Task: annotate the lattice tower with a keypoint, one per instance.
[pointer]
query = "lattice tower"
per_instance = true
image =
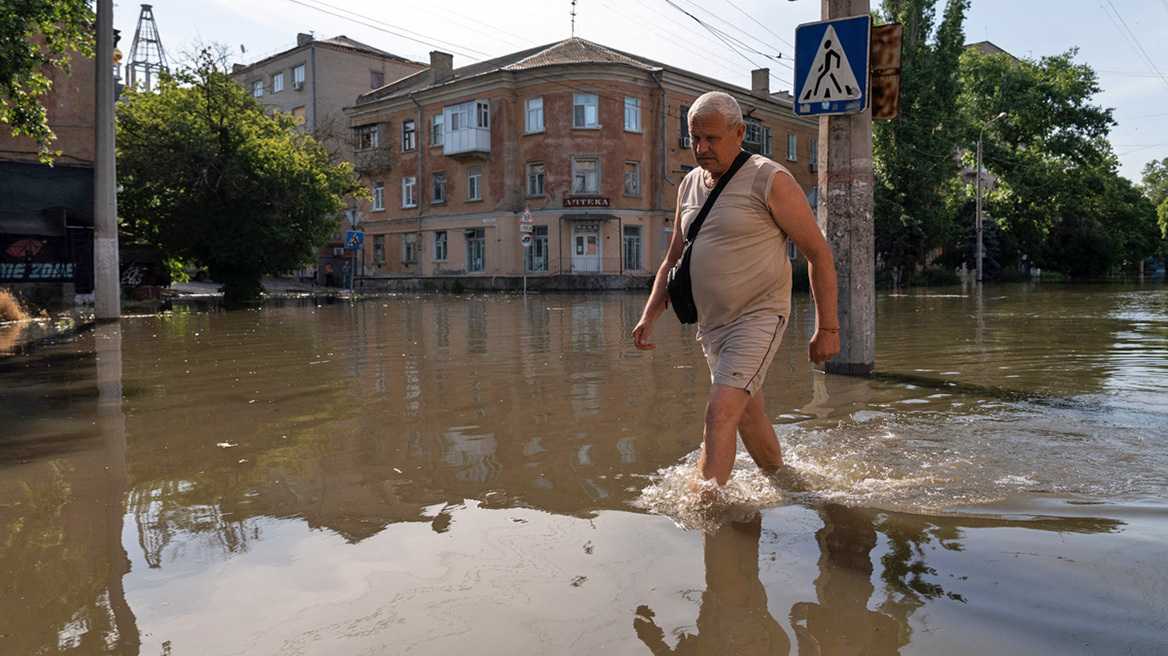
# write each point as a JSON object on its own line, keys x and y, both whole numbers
{"x": 147, "y": 58}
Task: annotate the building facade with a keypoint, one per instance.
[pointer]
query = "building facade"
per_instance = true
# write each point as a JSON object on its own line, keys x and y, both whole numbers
{"x": 561, "y": 159}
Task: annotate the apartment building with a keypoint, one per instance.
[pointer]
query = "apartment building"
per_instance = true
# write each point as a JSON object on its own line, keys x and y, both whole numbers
{"x": 559, "y": 159}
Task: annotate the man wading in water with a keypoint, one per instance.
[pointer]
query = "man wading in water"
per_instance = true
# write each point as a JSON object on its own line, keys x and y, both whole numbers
{"x": 742, "y": 281}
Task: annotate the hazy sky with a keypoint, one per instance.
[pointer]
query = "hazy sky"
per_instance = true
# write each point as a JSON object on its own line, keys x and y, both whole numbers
{"x": 1125, "y": 41}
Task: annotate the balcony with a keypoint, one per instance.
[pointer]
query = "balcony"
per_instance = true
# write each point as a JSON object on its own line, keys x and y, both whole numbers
{"x": 468, "y": 130}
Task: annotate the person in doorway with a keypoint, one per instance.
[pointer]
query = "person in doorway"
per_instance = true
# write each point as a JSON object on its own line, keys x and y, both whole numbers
{"x": 742, "y": 282}
{"x": 329, "y": 280}
{"x": 346, "y": 275}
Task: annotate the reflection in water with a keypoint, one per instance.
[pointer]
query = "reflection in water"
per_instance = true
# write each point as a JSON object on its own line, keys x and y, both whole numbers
{"x": 734, "y": 618}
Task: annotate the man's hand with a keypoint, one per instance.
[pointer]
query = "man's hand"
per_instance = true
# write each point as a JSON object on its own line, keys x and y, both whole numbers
{"x": 641, "y": 335}
{"x": 824, "y": 346}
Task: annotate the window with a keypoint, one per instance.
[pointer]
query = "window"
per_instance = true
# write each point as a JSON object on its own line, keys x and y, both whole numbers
{"x": 474, "y": 183}
{"x": 585, "y": 112}
{"x": 378, "y": 250}
{"x": 815, "y": 154}
{"x": 436, "y": 130}
{"x": 535, "y": 179}
{"x": 257, "y": 88}
{"x": 632, "y": 250}
{"x": 376, "y": 79}
{"x": 410, "y": 191}
{"x": 298, "y": 76}
{"x": 408, "y": 132}
{"x": 440, "y": 246}
{"x": 683, "y": 126}
{"x": 753, "y": 131}
{"x": 476, "y": 251}
{"x": 632, "y": 114}
{"x": 585, "y": 175}
{"x": 277, "y": 82}
{"x": 409, "y": 247}
{"x": 467, "y": 128}
{"x": 459, "y": 117}
{"x": 366, "y": 137}
{"x": 792, "y": 251}
{"x": 298, "y": 114}
{"x": 792, "y": 146}
{"x": 536, "y": 258}
{"x": 767, "y": 145}
{"x": 534, "y": 120}
{"x": 483, "y": 112}
{"x": 378, "y": 196}
{"x": 632, "y": 178}
{"x": 438, "y": 188}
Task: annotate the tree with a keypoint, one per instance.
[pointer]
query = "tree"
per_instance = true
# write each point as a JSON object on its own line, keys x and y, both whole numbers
{"x": 208, "y": 177}
{"x": 36, "y": 35}
{"x": 916, "y": 173}
{"x": 1155, "y": 188}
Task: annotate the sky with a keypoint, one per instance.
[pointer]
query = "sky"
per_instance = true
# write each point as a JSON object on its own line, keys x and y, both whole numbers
{"x": 1125, "y": 41}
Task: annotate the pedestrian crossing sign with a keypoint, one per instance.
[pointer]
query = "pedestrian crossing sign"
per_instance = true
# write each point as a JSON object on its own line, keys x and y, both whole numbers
{"x": 831, "y": 66}
{"x": 354, "y": 239}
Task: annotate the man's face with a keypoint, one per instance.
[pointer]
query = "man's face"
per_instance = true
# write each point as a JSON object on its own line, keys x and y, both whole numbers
{"x": 714, "y": 145}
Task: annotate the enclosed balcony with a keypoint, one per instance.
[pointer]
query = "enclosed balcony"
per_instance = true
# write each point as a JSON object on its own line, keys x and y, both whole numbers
{"x": 467, "y": 129}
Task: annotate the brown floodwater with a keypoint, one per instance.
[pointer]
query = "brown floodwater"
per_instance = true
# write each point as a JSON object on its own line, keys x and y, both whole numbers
{"x": 507, "y": 475}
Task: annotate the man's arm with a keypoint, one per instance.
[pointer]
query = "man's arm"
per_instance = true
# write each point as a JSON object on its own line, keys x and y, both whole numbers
{"x": 791, "y": 212}
{"x": 655, "y": 306}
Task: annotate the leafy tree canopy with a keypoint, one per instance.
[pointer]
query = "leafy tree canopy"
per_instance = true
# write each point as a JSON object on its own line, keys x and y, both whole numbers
{"x": 1155, "y": 187}
{"x": 208, "y": 177}
{"x": 36, "y": 35}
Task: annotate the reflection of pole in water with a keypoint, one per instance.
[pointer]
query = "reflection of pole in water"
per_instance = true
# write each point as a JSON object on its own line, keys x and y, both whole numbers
{"x": 734, "y": 618}
{"x": 112, "y": 424}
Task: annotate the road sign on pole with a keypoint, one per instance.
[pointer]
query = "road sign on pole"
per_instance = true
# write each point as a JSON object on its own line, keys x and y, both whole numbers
{"x": 525, "y": 240}
{"x": 831, "y": 66}
{"x": 354, "y": 239}
{"x": 526, "y": 218}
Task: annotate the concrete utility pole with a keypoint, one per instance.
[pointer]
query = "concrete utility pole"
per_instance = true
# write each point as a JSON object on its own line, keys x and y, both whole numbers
{"x": 845, "y": 216}
{"x": 106, "y": 288}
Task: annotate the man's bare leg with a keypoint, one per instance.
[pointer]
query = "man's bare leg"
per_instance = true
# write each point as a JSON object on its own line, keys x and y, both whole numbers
{"x": 723, "y": 413}
{"x": 758, "y": 434}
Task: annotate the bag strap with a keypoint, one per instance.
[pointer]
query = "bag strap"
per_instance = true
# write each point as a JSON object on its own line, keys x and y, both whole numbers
{"x": 692, "y": 233}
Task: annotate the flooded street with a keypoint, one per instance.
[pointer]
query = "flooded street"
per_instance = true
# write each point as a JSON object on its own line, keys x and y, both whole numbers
{"x": 503, "y": 474}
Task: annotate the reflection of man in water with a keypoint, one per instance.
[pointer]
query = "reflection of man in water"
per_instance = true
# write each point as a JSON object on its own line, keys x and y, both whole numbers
{"x": 733, "y": 618}
{"x": 742, "y": 281}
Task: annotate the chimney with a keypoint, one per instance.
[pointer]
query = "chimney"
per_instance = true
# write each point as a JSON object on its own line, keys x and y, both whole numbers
{"x": 441, "y": 66}
{"x": 303, "y": 39}
{"x": 760, "y": 82}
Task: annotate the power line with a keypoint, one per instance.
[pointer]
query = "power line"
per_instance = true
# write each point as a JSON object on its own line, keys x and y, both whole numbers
{"x": 1132, "y": 41}
{"x": 715, "y": 32}
{"x": 789, "y": 44}
{"x": 418, "y": 38}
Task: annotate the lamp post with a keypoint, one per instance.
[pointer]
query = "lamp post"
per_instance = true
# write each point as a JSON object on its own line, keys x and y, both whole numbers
{"x": 979, "y": 169}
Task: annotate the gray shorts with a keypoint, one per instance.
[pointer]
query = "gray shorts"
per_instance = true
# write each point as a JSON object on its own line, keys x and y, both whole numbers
{"x": 740, "y": 353}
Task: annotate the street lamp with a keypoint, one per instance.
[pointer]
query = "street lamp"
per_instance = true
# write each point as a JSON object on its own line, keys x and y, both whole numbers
{"x": 979, "y": 169}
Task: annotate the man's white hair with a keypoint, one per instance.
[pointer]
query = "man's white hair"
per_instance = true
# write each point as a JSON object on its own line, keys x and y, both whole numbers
{"x": 716, "y": 102}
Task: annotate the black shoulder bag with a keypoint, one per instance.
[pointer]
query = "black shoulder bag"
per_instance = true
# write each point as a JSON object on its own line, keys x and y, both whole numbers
{"x": 679, "y": 285}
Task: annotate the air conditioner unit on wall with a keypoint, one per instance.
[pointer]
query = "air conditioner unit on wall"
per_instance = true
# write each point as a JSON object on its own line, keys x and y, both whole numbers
{"x": 298, "y": 85}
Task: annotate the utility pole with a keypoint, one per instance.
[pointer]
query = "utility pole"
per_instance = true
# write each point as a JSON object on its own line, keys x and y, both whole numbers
{"x": 846, "y": 219}
{"x": 980, "y": 248}
{"x": 106, "y": 288}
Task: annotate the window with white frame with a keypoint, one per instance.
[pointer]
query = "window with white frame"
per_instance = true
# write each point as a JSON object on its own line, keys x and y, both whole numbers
{"x": 298, "y": 76}
{"x": 483, "y": 113}
{"x": 378, "y": 250}
{"x": 585, "y": 175}
{"x": 632, "y": 178}
{"x": 792, "y": 147}
{"x": 440, "y": 246}
{"x": 436, "y": 130}
{"x": 257, "y": 88}
{"x": 409, "y": 247}
{"x": 378, "y": 196}
{"x": 534, "y": 115}
{"x": 409, "y": 131}
{"x": 632, "y": 114}
{"x": 632, "y": 248}
{"x": 535, "y": 179}
{"x": 410, "y": 191}
{"x": 438, "y": 188}
{"x": 366, "y": 137}
{"x": 815, "y": 154}
{"x": 768, "y": 148}
{"x": 683, "y": 126}
{"x": 474, "y": 183}
{"x": 277, "y": 82}
{"x": 585, "y": 110}
{"x": 753, "y": 131}
{"x": 476, "y": 250}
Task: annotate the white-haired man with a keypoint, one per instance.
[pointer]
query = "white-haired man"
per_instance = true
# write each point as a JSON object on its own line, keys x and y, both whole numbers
{"x": 742, "y": 281}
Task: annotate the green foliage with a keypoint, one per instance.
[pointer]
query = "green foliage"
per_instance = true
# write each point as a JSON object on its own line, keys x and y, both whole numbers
{"x": 36, "y": 35}
{"x": 1155, "y": 188}
{"x": 209, "y": 178}
{"x": 915, "y": 170}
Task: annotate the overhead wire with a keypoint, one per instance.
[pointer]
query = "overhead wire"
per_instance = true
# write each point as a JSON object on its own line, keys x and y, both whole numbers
{"x": 1132, "y": 41}
{"x": 756, "y": 21}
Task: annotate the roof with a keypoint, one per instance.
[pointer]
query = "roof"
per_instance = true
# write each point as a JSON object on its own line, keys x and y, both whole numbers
{"x": 341, "y": 42}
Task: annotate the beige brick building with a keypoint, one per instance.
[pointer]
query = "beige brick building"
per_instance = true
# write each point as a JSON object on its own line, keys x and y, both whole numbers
{"x": 588, "y": 142}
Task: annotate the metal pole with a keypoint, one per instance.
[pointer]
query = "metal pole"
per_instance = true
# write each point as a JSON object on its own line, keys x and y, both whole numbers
{"x": 979, "y": 136}
{"x": 846, "y": 219}
{"x": 106, "y": 291}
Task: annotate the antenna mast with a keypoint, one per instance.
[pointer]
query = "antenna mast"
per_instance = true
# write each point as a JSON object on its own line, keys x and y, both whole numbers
{"x": 147, "y": 58}
{"x": 573, "y": 12}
